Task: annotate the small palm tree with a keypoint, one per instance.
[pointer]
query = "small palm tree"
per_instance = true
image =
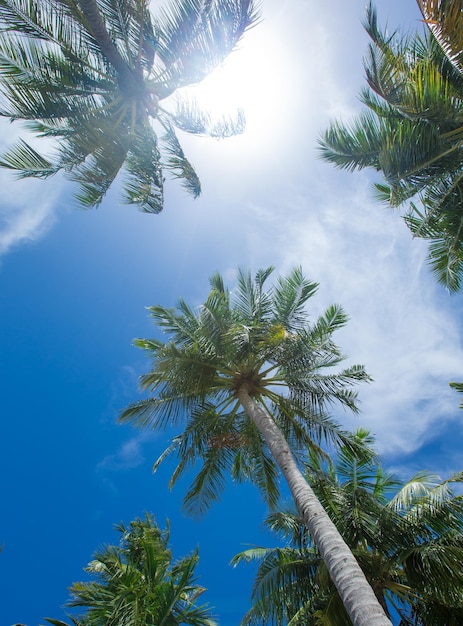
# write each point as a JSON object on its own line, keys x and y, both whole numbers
{"x": 93, "y": 75}
{"x": 136, "y": 583}
{"x": 412, "y": 131}
{"x": 407, "y": 537}
{"x": 250, "y": 379}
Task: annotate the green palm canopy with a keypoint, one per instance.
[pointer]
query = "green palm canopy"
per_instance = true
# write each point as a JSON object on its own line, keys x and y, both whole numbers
{"x": 136, "y": 583}
{"x": 248, "y": 379}
{"x": 412, "y": 130}
{"x": 94, "y": 77}
{"x": 407, "y": 537}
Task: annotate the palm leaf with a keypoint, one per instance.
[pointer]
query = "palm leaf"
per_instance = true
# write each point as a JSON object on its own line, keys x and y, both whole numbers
{"x": 143, "y": 184}
{"x": 445, "y": 22}
{"x": 26, "y": 161}
{"x": 178, "y": 164}
{"x": 290, "y": 297}
{"x": 196, "y": 36}
{"x": 459, "y": 388}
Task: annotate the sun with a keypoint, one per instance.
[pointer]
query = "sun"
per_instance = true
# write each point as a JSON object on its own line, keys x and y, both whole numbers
{"x": 243, "y": 82}
{"x": 259, "y": 79}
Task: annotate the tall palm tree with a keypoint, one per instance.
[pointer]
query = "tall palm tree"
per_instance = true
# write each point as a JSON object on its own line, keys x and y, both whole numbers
{"x": 412, "y": 132}
{"x": 250, "y": 378}
{"x": 136, "y": 583}
{"x": 407, "y": 537}
{"x": 95, "y": 75}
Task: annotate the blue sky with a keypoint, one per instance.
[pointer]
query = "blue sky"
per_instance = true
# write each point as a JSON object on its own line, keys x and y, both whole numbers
{"x": 74, "y": 286}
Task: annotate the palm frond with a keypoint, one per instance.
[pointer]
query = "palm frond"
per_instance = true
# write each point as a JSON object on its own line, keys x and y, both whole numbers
{"x": 55, "y": 22}
{"x": 418, "y": 487}
{"x": 144, "y": 182}
{"x": 445, "y": 22}
{"x": 252, "y": 304}
{"x": 459, "y": 388}
{"x": 182, "y": 327}
{"x": 285, "y": 580}
{"x": 209, "y": 482}
{"x": 440, "y": 221}
{"x": 96, "y": 175}
{"x": 190, "y": 118}
{"x": 290, "y": 296}
{"x": 194, "y": 37}
{"x": 178, "y": 164}
{"x": 252, "y": 461}
{"x": 156, "y": 413}
{"x": 355, "y": 146}
{"x": 26, "y": 161}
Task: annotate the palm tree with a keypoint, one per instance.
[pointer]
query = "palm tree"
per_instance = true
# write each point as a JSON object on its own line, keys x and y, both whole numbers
{"x": 412, "y": 133}
{"x": 407, "y": 537}
{"x": 250, "y": 379}
{"x": 95, "y": 76}
{"x": 135, "y": 583}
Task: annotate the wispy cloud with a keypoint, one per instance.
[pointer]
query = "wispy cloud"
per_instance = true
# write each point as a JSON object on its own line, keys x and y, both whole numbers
{"x": 128, "y": 456}
{"x": 27, "y": 209}
{"x": 22, "y": 224}
{"x": 403, "y": 327}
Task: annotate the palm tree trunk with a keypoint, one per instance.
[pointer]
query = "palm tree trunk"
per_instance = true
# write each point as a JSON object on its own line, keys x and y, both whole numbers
{"x": 356, "y": 594}
{"x": 96, "y": 26}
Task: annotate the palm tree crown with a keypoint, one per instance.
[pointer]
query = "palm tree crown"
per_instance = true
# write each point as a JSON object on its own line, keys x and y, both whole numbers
{"x": 93, "y": 75}
{"x": 136, "y": 583}
{"x": 250, "y": 380}
{"x": 249, "y": 339}
{"x": 407, "y": 537}
{"x": 411, "y": 132}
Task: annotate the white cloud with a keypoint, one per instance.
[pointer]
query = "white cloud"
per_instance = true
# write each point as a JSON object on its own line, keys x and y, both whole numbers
{"x": 128, "y": 456}
{"x": 403, "y": 327}
{"x": 27, "y": 210}
{"x": 24, "y": 222}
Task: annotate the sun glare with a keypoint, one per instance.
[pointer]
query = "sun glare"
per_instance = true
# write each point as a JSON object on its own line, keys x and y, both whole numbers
{"x": 241, "y": 82}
